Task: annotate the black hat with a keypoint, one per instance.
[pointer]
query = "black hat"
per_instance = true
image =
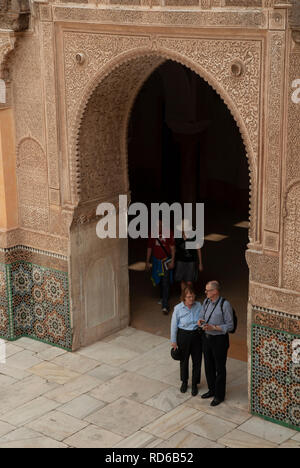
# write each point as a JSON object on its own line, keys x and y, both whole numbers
{"x": 176, "y": 354}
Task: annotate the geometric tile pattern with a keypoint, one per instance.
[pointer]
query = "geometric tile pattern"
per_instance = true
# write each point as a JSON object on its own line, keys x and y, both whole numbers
{"x": 37, "y": 304}
{"x": 275, "y": 379}
{"x": 4, "y": 308}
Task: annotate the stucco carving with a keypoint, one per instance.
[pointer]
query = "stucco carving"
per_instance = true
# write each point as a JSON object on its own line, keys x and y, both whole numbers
{"x": 274, "y": 298}
{"x": 211, "y": 59}
{"x": 50, "y": 103}
{"x": 293, "y": 129}
{"x": 32, "y": 172}
{"x": 26, "y": 75}
{"x": 274, "y": 133}
{"x": 7, "y": 43}
{"x": 263, "y": 268}
{"x": 183, "y": 17}
{"x": 101, "y": 174}
{"x": 291, "y": 241}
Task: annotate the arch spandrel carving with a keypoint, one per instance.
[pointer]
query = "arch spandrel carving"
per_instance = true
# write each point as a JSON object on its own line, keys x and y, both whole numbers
{"x": 211, "y": 59}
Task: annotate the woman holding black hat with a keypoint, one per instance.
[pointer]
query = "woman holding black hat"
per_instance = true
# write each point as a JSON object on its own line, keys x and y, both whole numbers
{"x": 186, "y": 338}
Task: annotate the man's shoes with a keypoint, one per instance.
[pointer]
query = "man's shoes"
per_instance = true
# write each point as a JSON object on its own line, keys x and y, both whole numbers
{"x": 194, "y": 390}
{"x": 216, "y": 402}
{"x": 183, "y": 387}
{"x": 207, "y": 395}
{"x": 165, "y": 311}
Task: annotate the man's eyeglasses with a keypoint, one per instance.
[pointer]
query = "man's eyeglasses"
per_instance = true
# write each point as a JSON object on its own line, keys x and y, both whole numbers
{"x": 209, "y": 290}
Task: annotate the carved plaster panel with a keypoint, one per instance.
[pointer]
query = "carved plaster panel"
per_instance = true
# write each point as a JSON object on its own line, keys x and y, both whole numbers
{"x": 32, "y": 185}
{"x": 103, "y": 165}
{"x": 263, "y": 268}
{"x": 274, "y": 132}
{"x": 293, "y": 130}
{"x": 212, "y": 59}
{"x": 205, "y": 18}
{"x": 50, "y": 103}
{"x": 27, "y": 90}
{"x": 291, "y": 241}
{"x": 274, "y": 298}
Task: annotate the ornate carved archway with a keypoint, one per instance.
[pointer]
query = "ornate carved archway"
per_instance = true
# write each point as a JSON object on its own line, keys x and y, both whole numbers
{"x": 235, "y": 84}
{"x": 98, "y": 149}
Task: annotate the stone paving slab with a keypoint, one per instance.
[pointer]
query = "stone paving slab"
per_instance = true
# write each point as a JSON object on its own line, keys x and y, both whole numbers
{"x": 185, "y": 439}
{"x": 122, "y": 392}
{"x": 240, "y": 439}
{"x": 53, "y": 373}
{"x": 73, "y": 389}
{"x": 124, "y": 417}
{"x": 82, "y": 406}
{"x": 128, "y": 385}
{"x": 57, "y": 425}
{"x": 211, "y": 427}
{"x": 31, "y": 410}
{"x": 93, "y": 437}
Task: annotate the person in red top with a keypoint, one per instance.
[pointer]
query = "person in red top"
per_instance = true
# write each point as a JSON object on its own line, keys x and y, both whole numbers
{"x": 160, "y": 249}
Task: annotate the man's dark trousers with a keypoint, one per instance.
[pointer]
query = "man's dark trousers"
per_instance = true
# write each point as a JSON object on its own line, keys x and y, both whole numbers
{"x": 190, "y": 344}
{"x": 215, "y": 357}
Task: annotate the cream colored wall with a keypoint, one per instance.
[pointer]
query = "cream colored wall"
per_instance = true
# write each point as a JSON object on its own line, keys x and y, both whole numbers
{"x": 8, "y": 181}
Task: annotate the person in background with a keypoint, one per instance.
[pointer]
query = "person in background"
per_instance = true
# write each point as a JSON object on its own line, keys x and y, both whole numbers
{"x": 188, "y": 261}
{"x": 185, "y": 336}
{"x": 162, "y": 251}
{"x": 216, "y": 322}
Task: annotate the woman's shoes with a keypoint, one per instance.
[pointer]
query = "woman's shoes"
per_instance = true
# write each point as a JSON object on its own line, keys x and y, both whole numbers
{"x": 183, "y": 387}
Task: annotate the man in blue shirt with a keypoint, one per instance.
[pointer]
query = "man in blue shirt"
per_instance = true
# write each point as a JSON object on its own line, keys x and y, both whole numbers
{"x": 216, "y": 321}
{"x": 185, "y": 336}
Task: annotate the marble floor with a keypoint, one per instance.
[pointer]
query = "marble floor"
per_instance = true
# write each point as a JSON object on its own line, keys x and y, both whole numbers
{"x": 121, "y": 392}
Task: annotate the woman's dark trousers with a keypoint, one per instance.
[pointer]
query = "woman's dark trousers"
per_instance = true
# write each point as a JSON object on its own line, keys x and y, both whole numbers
{"x": 190, "y": 344}
{"x": 215, "y": 350}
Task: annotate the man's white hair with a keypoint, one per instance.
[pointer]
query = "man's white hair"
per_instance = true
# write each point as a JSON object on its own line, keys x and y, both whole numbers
{"x": 215, "y": 285}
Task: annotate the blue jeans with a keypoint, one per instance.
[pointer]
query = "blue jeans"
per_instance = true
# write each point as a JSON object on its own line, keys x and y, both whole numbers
{"x": 165, "y": 289}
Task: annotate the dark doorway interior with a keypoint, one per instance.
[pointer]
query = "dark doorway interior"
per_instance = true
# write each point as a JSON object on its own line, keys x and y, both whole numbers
{"x": 184, "y": 146}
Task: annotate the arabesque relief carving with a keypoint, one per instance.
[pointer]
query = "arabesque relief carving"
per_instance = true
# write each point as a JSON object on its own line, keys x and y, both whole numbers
{"x": 7, "y": 43}
{"x": 291, "y": 243}
{"x": 32, "y": 172}
{"x": 274, "y": 134}
{"x": 212, "y": 59}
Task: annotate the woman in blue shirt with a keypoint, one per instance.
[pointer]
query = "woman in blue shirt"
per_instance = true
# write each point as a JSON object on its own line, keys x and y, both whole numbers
{"x": 185, "y": 336}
